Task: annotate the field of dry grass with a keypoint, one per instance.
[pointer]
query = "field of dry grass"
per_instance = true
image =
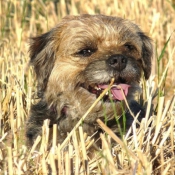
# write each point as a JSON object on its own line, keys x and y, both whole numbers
{"x": 151, "y": 148}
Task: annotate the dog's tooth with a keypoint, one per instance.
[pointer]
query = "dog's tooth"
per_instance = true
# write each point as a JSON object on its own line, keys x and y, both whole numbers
{"x": 97, "y": 88}
{"x": 107, "y": 93}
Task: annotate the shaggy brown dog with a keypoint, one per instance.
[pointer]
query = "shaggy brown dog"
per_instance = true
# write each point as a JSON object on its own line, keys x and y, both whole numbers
{"x": 76, "y": 60}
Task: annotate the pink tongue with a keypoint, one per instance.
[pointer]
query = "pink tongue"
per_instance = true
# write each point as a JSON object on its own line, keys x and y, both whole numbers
{"x": 116, "y": 91}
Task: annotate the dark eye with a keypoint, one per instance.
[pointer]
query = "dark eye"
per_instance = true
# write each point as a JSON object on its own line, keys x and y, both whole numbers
{"x": 86, "y": 52}
{"x": 129, "y": 47}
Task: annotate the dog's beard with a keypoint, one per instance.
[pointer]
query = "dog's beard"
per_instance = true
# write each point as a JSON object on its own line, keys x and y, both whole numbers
{"x": 98, "y": 75}
{"x": 81, "y": 100}
{"x": 90, "y": 84}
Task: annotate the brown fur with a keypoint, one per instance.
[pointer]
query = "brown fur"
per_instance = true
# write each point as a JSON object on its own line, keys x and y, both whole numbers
{"x": 64, "y": 69}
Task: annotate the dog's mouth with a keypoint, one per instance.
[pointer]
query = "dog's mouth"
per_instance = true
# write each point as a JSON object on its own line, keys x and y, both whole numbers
{"x": 117, "y": 92}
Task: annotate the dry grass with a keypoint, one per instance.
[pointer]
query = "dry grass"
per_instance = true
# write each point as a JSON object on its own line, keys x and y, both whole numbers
{"x": 151, "y": 148}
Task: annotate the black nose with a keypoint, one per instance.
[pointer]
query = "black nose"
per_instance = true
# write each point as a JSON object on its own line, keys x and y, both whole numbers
{"x": 117, "y": 62}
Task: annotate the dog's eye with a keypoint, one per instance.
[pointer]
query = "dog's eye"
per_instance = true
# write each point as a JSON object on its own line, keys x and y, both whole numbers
{"x": 86, "y": 52}
{"x": 129, "y": 47}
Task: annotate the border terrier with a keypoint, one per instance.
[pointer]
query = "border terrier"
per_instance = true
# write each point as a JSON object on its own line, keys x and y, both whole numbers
{"x": 75, "y": 61}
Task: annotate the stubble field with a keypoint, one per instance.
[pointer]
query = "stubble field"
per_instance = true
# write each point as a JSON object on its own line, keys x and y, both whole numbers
{"x": 151, "y": 148}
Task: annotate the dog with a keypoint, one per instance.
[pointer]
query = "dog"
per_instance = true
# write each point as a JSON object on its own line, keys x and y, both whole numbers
{"x": 75, "y": 61}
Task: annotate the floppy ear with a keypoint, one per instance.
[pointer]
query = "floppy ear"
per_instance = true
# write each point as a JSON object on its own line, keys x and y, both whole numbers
{"x": 42, "y": 57}
{"x": 147, "y": 53}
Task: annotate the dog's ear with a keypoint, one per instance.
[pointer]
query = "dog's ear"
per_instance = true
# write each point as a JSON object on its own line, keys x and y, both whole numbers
{"x": 147, "y": 54}
{"x": 42, "y": 58}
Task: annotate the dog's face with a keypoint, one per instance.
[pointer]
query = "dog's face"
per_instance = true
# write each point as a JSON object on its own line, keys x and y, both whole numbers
{"x": 77, "y": 59}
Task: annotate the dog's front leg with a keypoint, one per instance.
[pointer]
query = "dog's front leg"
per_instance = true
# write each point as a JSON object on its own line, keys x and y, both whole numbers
{"x": 38, "y": 113}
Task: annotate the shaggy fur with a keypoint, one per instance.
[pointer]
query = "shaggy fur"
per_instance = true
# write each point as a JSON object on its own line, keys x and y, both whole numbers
{"x": 80, "y": 53}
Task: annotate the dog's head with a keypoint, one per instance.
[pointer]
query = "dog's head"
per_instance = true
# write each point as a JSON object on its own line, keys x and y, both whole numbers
{"x": 76, "y": 60}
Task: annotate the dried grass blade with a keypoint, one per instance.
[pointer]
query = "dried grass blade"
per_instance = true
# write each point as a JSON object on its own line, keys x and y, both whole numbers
{"x": 111, "y": 133}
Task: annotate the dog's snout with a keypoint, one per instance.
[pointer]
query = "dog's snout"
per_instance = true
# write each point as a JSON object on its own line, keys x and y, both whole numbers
{"x": 117, "y": 62}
